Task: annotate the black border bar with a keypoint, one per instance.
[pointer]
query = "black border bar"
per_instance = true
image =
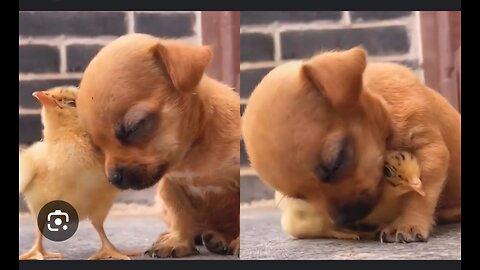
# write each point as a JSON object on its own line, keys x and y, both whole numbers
{"x": 241, "y": 264}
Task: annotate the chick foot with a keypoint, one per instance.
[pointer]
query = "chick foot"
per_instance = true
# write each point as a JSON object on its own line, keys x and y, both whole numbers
{"x": 40, "y": 254}
{"x": 108, "y": 250}
{"x": 37, "y": 252}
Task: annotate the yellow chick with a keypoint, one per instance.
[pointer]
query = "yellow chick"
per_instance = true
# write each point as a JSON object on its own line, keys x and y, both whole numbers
{"x": 65, "y": 166}
{"x": 401, "y": 170}
{"x": 300, "y": 220}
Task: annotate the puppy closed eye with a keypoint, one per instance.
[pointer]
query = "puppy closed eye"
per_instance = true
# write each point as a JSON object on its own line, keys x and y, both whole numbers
{"x": 129, "y": 131}
{"x": 331, "y": 170}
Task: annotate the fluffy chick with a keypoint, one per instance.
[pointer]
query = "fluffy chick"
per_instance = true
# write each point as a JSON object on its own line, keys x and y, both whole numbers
{"x": 300, "y": 220}
{"x": 65, "y": 166}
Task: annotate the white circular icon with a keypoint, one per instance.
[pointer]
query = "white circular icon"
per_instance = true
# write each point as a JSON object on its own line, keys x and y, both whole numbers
{"x": 58, "y": 222}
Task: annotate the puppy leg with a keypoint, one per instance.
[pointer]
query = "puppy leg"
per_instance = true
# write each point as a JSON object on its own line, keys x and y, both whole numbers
{"x": 217, "y": 243}
{"x": 224, "y": 237}
{"x": 179, "y": 240}
{"x": 222, "y": 221}
{"x": 417, "y": 213}
{"x": 447, "y": 215}
{"x": 234, "y": 247}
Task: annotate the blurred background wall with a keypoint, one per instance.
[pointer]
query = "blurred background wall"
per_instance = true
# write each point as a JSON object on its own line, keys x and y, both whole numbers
{"x": 271, "y": 38}
{"x": 55, "y": 48}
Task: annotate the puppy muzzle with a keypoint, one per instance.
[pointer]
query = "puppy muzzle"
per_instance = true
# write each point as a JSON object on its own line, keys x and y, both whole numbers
{"x": 349, "y": 213}
{"x": 125, "y": 178}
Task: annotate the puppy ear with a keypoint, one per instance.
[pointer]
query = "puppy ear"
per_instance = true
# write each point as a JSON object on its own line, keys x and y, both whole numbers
{"x": 338, "y": 75}
{"x": 185, "y": 64}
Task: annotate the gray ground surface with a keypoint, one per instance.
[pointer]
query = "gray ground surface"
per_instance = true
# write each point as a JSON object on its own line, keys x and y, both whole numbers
{"x": 262, "y": 238}
{"x": 126, "y": 232}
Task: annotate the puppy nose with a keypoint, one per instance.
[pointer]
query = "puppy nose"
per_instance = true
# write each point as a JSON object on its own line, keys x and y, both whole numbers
{"x": 116, "y": 176}
{"x": 349, "y": 213}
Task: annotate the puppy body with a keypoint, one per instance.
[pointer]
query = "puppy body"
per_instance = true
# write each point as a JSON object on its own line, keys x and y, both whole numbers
{"x": 148, "y": 105}
{"x": 201, "y": 194}
{"x": 424, "y": 121}
{"x": 317, "y": 130}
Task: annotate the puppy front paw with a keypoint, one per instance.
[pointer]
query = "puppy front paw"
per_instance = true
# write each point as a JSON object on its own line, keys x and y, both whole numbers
{"x": 215, "y": 243}
{"x": 169, "y": 245}
{"x": 405, "y": 230}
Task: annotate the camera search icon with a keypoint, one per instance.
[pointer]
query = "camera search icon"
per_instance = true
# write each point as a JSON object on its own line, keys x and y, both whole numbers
{"x": 58, "y": 220}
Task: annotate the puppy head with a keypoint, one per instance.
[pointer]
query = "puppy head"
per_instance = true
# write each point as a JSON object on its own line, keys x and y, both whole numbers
{"x": 313, "y": 132}
{"x": 137, "y": 102}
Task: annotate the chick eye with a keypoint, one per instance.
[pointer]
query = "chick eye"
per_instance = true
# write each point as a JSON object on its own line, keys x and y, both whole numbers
{"x": 71, "y": 103}
{"x": 388, "y": 171}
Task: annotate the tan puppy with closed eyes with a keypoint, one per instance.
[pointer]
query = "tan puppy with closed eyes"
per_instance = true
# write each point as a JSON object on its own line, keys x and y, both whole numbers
{"x": 318, "y": 130}
{"x": 147, "y": 104}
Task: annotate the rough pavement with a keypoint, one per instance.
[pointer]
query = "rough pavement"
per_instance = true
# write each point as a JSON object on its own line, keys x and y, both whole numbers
{"x": 130, "y": 233}
{"x": 262, "y": 238}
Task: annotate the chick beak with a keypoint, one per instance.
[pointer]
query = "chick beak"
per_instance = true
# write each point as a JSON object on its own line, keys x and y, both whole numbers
{"x": 45, "y": 99}
{"x": 417, "y": 186}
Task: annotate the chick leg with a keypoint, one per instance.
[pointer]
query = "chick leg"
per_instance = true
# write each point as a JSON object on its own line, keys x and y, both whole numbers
{"x": 108, "y": 250}
{"x": 37, "y": 252}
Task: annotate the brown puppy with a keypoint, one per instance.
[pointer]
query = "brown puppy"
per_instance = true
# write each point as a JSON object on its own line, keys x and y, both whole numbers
{"x": 148, "y": 105}
{"x": 318, "y": 130}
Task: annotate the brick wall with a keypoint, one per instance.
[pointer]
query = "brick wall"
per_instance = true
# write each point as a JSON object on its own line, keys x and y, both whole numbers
{"x": 55, "y": 47}
{"x": 271, "y": 38}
